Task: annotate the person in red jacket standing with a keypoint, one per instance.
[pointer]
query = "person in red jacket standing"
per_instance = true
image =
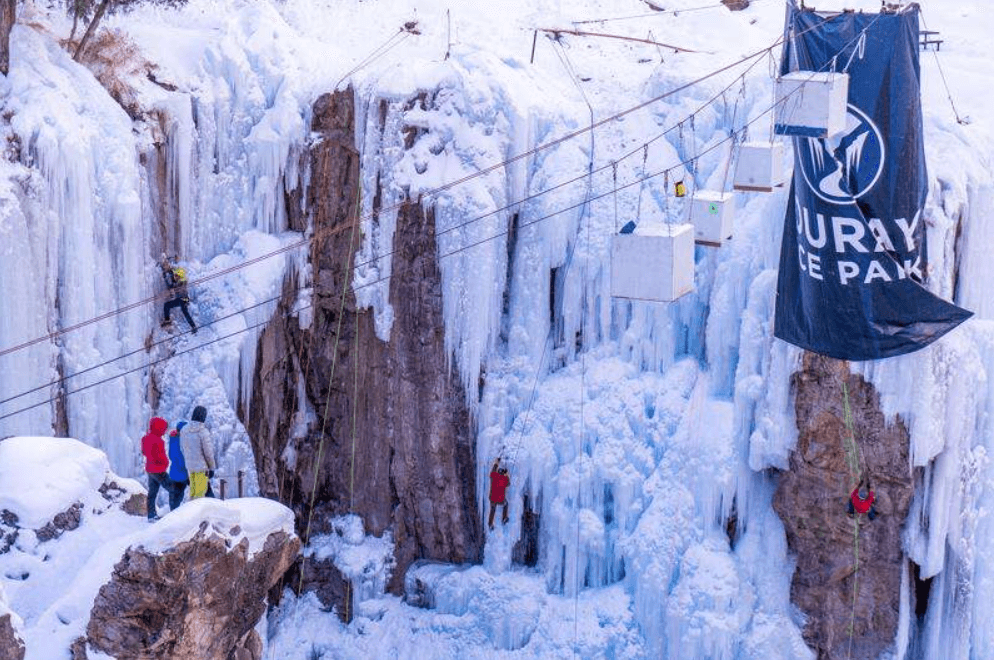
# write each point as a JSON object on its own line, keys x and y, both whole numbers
{"x": 156, "y": 463}
{"x": 499, "y": 481}
{"x": 861, "y": 500}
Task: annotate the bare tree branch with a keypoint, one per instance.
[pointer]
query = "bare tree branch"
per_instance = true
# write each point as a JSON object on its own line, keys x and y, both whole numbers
{"x": 91, "y": 28}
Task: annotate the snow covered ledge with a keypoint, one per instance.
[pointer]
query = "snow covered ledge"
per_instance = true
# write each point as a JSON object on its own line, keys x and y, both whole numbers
{"x": 11, "y": 644}
{"x": 192, "y": 585}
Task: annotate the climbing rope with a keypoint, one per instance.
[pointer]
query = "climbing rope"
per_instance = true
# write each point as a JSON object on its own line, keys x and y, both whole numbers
{"x": 738, "y": 136}
{"x": 327, "y": 406}
{"x": 638, "y": 205}
{"x": 942, "y": 74}
{"x": 666, "y": 196}
{"x": 854, "y": 468}
{"x": 283, "y": 470}
{"x": 855, "y": 579}
{"x": 614, "y": 179}
{"x": 585, "y": 219}
{"x": 849, "y": 440}
{"x": 404, "y": 32}
{"x": 355, "y": 417}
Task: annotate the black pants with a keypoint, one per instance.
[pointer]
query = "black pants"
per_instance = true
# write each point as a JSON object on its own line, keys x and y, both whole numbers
{"x": 183, "y": 306}
{"x": 160, "y": 480}
{"x": 871, "y": 514}
{"x": 176, "y": 494}
{"x": 493, "y": 510}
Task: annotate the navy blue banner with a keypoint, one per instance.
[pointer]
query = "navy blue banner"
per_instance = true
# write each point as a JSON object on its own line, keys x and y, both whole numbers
{"x": 853, "y": 256}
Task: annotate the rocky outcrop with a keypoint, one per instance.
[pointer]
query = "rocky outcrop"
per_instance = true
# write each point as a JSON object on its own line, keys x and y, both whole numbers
{"x": 11, "y": 645}
{"x": 811, "y": 501}
{"x": 132, "y": 503}
{"x": 115, "y": 495}
{"x": 396, "y": 406}
{"x": 199, "y": 600}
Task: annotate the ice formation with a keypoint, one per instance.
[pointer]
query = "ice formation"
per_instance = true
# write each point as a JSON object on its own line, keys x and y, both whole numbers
{"x": 633, "y": 429}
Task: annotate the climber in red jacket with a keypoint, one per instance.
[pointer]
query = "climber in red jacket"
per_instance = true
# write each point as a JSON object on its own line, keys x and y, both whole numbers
{"x": 156, "y": 463}
{"x": 861, "y": 500}
{"x": 499, "y": 481}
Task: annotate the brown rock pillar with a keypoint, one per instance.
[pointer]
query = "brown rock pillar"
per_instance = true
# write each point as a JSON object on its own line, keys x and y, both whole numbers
{"x": 397, "y": 407}
{"x": 8, "y": 15}
{"x": 811, "y": 500}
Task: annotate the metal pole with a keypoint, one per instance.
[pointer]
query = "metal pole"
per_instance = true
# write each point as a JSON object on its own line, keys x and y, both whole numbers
{"x": 241, "y": 473}
{"x": 534, "y": 39}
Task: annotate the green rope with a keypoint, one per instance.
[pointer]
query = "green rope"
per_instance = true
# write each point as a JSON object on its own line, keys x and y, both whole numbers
{"x": 331, "y": 374}
{"x": 855, "y": 582}
{"x": 853, "y": 464}
{"x": 849, "y": 441}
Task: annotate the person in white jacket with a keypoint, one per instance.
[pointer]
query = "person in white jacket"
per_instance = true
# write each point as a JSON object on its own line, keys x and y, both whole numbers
{"x": 198, "y": 450}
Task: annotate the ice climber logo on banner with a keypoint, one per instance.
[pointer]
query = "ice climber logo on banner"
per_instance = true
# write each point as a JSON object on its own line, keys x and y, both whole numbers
{"x": 849, "y": 167}
{"x": 852, "y": 280}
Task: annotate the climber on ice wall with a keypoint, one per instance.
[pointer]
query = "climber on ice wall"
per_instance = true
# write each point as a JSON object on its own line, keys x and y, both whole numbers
{"x": 861, "y": 500}
{"x": 175, "y": 277}
{"x": 499, "y": 481}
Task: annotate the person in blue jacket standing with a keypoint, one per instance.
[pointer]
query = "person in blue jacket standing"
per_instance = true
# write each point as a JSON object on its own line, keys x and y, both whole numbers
{"x": 177, "y": 467}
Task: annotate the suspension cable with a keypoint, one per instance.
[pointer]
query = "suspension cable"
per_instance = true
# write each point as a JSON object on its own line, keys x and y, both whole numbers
{"x": 375, "y": 259}
{"x": 430, "y": 193}
{"x": 451, "y": 253}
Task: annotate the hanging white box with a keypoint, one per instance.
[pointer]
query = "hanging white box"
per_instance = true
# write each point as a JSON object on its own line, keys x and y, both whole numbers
{"x": 811, "y": 104}
{"x": 711, "y": 213}
{"x": 655, "y": 263}
{"x": 760, "y": 167}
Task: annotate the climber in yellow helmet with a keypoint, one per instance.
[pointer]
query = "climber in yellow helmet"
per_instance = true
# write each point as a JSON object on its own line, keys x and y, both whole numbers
{"x": 175, "y": 277}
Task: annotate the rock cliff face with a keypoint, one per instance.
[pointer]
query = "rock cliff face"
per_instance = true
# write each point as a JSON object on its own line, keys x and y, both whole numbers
{"x": 396, "y": 406}
{"x": 811, "y": 501}
{"x": 11, "y": 645}
{"x": 197, "y": 601}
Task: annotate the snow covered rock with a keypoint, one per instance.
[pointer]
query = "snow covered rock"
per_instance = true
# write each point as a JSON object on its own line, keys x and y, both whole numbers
{"x": 200, "y": 598}
{"x": 348, "y": 557}
{"x": 11, "y": 644}
{"x": 78, "y": 573}
{"x": 508, "y": 607}
{"x": 47, "y": 485}
{"x": 811, "y": 501}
